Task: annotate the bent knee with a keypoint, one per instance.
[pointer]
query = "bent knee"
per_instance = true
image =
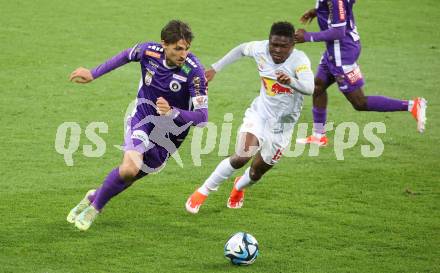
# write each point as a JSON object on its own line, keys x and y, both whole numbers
{"x": 360, "y": 105}
{"x": 128, "y": 171}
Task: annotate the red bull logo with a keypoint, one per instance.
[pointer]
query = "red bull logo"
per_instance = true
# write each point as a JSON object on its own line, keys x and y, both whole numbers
{"x": 273, "y": 87}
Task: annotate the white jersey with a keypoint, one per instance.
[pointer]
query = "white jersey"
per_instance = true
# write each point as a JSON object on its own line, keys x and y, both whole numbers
{"x": 277, "y": 102}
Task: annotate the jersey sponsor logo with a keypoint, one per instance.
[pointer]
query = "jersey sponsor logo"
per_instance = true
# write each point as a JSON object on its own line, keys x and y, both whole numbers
{"x": 200, "y": 102}
{"x": 180, "y": 78}
{"x": 273, "y": 87}
{"x": 302, "y": 68}
{"x": 191, "y": 62}
{"x": 330, "y": 8}
{"x": 341, "y": 10}
{"x": 197, "y": 85}
{"x": 152, "y": 54}
{"x": 153, "y": 64}
{"x": 354, "y": 76}
{"x": 175, "y": 86}
{"x": 186, "y": 69}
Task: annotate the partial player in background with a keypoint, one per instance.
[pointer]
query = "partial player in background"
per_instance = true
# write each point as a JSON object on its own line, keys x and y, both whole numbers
{"x": 267, "y": 127}
{"x": 172, "y": 96}
{"x": 339, "y": 64}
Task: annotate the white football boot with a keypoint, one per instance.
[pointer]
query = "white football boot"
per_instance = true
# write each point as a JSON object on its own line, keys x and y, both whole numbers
{"x": 85, "y": 219}
{"x": 84, "y": 203}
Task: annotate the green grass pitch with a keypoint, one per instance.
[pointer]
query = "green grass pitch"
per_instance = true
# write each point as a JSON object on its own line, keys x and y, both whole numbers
{"x": 309, "y": 214}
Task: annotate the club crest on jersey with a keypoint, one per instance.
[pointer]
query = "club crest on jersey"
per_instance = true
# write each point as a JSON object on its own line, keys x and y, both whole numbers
{"x": 175, "y": 86}
{"x": 148, "y": 77}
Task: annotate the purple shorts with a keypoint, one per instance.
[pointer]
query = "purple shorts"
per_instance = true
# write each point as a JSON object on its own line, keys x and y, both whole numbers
{"x": 348, "y": 77}
{"x": 137, "y": 138}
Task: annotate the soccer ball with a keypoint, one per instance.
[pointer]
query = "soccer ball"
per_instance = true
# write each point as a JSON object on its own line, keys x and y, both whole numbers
{"x": 241, "y": 249}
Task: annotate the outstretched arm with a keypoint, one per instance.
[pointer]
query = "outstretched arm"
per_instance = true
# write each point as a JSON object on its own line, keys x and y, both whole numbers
{"x": 231, "y": 57}
{"x": 84, "y": 75}
{"x": 112, "y": 63}
{"x": 331, "y": 34}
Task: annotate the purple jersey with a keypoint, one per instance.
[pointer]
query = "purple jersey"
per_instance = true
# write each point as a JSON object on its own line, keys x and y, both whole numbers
{"x": 182, "y": 86}
{"x": 339, "y": 13}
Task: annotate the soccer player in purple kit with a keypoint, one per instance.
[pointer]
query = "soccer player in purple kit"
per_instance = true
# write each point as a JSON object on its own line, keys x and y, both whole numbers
{"x": 172, "y": 96}
{"x": 339, "y": 64}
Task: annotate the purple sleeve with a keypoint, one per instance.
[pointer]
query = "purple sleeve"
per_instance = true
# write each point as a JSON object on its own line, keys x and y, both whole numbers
{"x": 198, "y": 117}
{"x": 333, "y": 33}
{"x": 113, "y": 63}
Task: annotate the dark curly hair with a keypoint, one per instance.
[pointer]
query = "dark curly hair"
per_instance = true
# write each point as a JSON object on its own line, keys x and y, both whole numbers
{"x": 285, "y": 29}
{"x": 176, "y": 30}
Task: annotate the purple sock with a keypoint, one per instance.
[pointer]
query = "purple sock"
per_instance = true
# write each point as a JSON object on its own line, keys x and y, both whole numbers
{"x": 385, "y": 104}
{"x": 92, "y": 197}
{"x": 319, "y": 120}
{"x": 112, "y": 186}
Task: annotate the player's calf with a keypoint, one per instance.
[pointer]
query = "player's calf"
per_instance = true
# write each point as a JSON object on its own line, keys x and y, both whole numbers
{"x": 238, "y": 162}
{"x": 358, "y": 100}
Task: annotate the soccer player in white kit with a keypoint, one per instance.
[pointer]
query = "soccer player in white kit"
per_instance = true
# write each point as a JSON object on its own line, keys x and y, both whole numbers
{"x": 286, "y": 76}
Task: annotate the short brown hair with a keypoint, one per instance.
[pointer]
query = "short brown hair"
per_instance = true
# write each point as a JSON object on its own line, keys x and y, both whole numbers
{"x": 176, "y": 30}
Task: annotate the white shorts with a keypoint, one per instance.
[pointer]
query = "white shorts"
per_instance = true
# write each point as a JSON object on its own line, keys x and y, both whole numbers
{"x": 273, "y": 136}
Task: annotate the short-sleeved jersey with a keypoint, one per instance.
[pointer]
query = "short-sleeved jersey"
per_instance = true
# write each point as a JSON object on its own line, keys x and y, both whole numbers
{"x": 277, "y": 101}
{"x": 337, "y": 13}
{"x": 183, "y": 87}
